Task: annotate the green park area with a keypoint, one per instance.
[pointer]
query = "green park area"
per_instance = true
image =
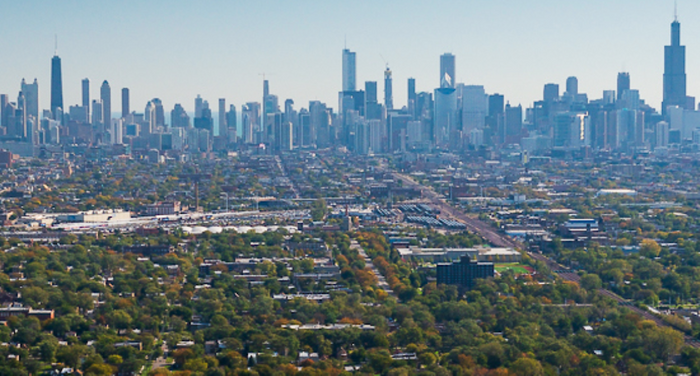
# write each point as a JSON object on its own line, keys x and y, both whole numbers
{"x": 517, "y": 268}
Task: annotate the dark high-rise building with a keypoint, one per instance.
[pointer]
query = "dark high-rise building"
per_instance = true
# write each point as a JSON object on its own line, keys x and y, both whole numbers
{"x": 125, "y": 102}
{"x": 159, "y": 112}
{"x": 513, "y": 124}
{"x": 463, "y": 273}
{"x": 179, "y": 117}
{"x": 411, "y": 104}
{"x": 551, "y": 92}
{"x": 623, "y": 83}
{"x": 495, "y": 118}
{"x": 447, "y": 71}
{"x": 572, "y": 86}
{"x": 496, "y": 105}
{"x": 411, "y": 89}
{"x": 674, "y": 70}
{"x": 373, "y": 110}
{"x": 205, "y": 121}
{"x": 4, "y": 113}
{"x": 371, "y": 91}
{"x": 388, "y": 91}
{"x": 56, "y": 86}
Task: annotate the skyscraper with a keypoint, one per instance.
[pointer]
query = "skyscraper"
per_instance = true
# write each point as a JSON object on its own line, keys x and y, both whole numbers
{"x": 674, "y": 70}
{"x": 551, "y": 92}
{"x": 411, "y": 104}
{"x": 179, "y": 117}
{"x": 474, "y": 107}
{"x": 20, "y": 119}
{"x": 349, "y": 70}
{"x": 106, "y": 97}
{"x": 447, "y": 71}
{"x": 513, "y": 124}
{"x": 623, "y": 83}
{"x": 198, "y": 106}
{"x": 149, "y": 115}
{"x": 86, "y": 95}
{"x": 496, "y": 118}
{"x": 373, "y": 110}
{"x": 4, "y": 112}
{"x": 160, "y": 112}
{"x": 223, "y": 127}
{"x": 56, "y": 86}
{"x": 125, "y": 102}
{"x": 572, "y": 86}
{"x": 31, "y": 98}
{"x": 388, "y": 92}
{"x": 231, "y": 123}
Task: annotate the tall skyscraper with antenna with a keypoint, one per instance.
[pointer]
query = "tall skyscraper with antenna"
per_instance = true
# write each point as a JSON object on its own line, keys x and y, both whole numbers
{"x": 674, "y": 70}
{"x": 56, "y": 85}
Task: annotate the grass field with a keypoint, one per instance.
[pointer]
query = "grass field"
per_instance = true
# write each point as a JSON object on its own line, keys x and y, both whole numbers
{"x": 517, "y": 268}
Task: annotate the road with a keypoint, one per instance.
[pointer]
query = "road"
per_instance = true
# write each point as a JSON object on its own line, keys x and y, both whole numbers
{"x": 473, "y": 224}
{"x": 161, "y": 361}
{"x": 381, "y": 281}
{"x": 492, "y": 236}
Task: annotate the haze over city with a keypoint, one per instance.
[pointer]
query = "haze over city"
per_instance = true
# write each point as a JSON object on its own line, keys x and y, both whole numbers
{"x": 307, "y": 188}
{"x": 175, "y": 50}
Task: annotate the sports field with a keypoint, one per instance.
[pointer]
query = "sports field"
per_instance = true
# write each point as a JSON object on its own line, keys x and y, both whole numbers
{"x": 517, "y": 268}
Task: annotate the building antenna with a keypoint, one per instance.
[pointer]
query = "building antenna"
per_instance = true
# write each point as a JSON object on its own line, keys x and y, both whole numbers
{"x": 345, "y": 42}
{"x": 55, "y": 46}
{"x": 675, "y": 10}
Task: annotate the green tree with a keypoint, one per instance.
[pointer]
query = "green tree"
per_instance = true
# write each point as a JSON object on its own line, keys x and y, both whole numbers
{"x": 319, "y": 209}
{"x": 527, "y": 367}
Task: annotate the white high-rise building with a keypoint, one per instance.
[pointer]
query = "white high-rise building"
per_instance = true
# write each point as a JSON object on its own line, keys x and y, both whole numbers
{"x": 375, "y": 136}
{"x": 661, "y": 133}
{"x": 117, "y": 131}
{"x": 150, "y": 117}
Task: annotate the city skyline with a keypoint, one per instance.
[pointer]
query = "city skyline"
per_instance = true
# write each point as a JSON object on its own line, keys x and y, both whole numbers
{"x": 240, "y": 83}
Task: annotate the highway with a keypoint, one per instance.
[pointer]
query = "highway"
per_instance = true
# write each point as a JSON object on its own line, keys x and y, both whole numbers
{"x": 473, "y": 224}
{"x": 501, "y": 240}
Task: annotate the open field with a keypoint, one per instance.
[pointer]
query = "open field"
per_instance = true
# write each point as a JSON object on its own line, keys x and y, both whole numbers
{"x": 517, "y": 268}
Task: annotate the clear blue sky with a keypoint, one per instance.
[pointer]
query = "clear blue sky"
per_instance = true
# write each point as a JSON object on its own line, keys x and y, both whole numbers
{"x": 175, "y": 50}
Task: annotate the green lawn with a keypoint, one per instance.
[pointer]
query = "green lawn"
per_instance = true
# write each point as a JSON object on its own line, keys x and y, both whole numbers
{"x": 517, "y": 268}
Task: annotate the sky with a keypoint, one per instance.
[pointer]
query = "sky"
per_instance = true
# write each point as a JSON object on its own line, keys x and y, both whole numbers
{"x": 175, "y": 50}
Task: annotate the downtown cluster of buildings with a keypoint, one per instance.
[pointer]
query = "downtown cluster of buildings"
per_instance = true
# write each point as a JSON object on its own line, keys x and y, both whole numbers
{"x": 453, "y": 117}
